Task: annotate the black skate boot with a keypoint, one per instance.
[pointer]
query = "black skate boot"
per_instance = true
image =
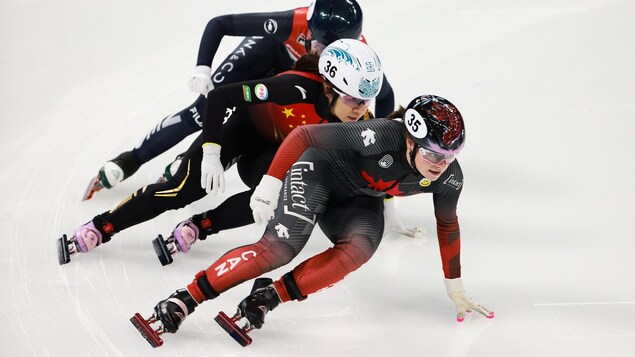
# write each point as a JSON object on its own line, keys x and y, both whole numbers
{"x": 253, "y": 308}
{"x": 113, "y": 172}
{"x": 170, "y": 170}
{"x": 170, "y": 312}
{"x": 183, "y": 236}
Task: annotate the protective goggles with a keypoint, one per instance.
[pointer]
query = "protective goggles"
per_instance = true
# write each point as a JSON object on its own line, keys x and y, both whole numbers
{"x": 434, "y": 157}
{"x": 352, "y": 101}
{"x": 316, "y": 46}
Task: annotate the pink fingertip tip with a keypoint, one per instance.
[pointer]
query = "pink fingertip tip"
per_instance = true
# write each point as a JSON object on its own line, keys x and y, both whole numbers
{"x": 491, "y": 315}
{"x": 460, "y": 319}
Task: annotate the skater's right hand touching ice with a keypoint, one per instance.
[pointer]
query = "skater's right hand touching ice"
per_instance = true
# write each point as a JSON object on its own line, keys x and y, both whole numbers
{"x": 212, "y": 171}
{"x": 463, "y": 303}
{"x": 265, "y": 199}
{"x": 201, "y": 81}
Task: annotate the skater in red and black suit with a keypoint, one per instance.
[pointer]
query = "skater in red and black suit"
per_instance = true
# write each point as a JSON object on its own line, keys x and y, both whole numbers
{"x": 275, "y": 41}
{"x": 337, "y": 175}
{"x": 243, "y": 119}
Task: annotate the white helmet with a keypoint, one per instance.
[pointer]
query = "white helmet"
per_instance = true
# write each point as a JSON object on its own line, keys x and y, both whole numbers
{"x": 353, "y": 68}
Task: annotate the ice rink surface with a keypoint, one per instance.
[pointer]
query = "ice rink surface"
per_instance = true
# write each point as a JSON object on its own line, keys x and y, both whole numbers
{"x": 547, "y": 92}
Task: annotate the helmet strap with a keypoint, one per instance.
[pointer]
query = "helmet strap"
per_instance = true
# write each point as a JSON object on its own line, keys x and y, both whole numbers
{"x": 413, "y": 153}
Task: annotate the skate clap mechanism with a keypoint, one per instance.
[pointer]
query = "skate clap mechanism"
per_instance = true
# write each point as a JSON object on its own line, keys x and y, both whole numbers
{"x": 170, "y": 313}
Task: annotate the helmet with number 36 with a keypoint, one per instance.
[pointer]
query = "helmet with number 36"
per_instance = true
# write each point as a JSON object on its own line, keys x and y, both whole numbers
{"x": 353, "y": 68}
{"x": 435, "y": 124}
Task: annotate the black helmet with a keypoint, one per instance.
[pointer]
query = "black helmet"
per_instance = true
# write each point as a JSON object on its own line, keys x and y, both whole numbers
{"x": 331, "y": 20}
{"x": 435, "y": 124}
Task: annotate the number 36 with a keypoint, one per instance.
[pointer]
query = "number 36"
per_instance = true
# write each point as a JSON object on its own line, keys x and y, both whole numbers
{"x": 330, "y": 69}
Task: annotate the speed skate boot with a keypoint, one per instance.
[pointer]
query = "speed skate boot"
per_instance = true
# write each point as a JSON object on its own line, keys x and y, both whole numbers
{"x": 253, "y": 308}
{"x": 183, "y": 236}
{"x": 113, "y": 172}
{"x": 85, "y": 239}
{"x": 170, "y": 313}
{"x": 170, "y": 170}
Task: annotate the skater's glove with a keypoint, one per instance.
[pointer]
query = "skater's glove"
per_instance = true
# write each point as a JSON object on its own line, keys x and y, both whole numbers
{"x": 201, "y": 81}
{"x": 392, "y": 224}
{"x": 264, "y": 201}
{"x": 463, "y": 303}
{"x": 212, "y": 171}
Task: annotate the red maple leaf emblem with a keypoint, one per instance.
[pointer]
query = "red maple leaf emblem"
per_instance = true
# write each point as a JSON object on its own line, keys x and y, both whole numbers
{"x": 382, "y": 185}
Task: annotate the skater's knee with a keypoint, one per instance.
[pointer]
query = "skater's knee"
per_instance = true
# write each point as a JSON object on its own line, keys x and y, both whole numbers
{"x": 356, "y": 249}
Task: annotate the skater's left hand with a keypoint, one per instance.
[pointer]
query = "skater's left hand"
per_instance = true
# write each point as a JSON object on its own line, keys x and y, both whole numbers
{"x": 201, "y": 81}
{"x": 212, "y": 171}
{"x": 392, "y": 224}
{"x": 463, "y": 303}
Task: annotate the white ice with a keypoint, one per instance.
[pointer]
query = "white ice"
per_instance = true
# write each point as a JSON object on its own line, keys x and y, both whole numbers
{"x": 546, "y": 88}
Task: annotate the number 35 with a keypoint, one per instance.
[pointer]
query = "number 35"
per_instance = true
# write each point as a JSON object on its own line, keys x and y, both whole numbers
{"x": 413, "y": 122}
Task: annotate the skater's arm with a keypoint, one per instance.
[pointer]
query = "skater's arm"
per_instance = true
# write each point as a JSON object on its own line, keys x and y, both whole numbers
{"x": 385, "y": 100}
{"x": 355, "y": 136}
{"x": 252, "y": 24}
{"x": 448, "y": 231}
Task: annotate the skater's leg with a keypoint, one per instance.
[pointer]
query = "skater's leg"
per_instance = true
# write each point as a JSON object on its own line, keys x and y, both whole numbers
{"x": 285, "y": 236}
{"x": 355, "y": 225}
{"x": 170, "y": 131}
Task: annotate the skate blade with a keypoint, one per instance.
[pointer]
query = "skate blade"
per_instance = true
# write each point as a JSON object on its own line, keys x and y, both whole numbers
{"x": 146, "y": 331}
{"x": 93, "y": 187}
{"x": 63, "y": 256}
{"x": 161, "y": 249}
{"x": 232, "y": 329}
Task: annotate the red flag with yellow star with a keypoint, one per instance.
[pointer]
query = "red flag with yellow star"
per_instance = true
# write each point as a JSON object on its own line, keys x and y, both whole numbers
{"x": 274, "y": 122}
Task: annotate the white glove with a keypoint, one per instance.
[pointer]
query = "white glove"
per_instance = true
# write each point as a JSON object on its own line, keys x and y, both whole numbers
{"x": 392, "y": 224}
{"x": 463, "y": 303}
{"x": 201, "y": 81}
{"x": 212, "y": 171}
{"x": 264, "y": 201}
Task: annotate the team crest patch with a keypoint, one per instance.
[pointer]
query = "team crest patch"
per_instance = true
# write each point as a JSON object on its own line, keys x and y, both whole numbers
{"x": 261, "y": 91}
{"x": 386, "y": 161}
{"x": 247, "y": 93}
{"x": 425, "y": 182}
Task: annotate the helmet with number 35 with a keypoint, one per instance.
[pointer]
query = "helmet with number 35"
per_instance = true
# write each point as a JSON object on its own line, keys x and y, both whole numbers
{"x": 353, "y": 68}
{"x": 435, "y": 124}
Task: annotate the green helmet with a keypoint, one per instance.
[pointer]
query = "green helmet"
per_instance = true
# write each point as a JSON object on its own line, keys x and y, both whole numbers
{"x": 331, "y": 20}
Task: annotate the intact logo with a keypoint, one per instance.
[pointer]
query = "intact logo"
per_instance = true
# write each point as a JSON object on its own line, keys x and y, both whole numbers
{"x": 386, "y": 161}
{"x": 295, "y": 185}
{"x": 261, "y": 91}
{"x": 454, "y": 183}
{"x": 368, "y": 136}
{"x": 271, "y": 26}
